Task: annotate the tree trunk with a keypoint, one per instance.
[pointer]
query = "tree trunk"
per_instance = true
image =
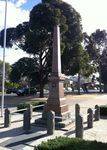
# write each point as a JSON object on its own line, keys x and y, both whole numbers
{"x": 29, "y": 85}
{"x": 100, "y": 86}
{"x": 78, "y": 83}
{"x": 41, "y": 77}
{"x": 41, "y": 90}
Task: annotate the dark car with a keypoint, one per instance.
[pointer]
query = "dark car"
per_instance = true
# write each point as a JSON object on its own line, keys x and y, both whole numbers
{"x": 11, "y": 90}
{"x": 26, "y": 91}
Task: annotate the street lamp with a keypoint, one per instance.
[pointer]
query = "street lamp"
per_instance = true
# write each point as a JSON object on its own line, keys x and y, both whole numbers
{"x": 4, "y": 47}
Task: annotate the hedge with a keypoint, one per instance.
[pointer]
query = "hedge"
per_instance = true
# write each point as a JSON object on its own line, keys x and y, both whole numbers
{"x": 65, "y": 143}
{"x": 33, "y": 103}
{"x": 103, "y": 110}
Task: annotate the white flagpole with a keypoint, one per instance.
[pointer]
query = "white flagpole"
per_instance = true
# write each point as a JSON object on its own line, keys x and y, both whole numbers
{"x": 4, "y": 47}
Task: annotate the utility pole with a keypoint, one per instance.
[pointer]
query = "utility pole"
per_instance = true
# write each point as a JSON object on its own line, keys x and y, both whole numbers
{"x": 4, "y": 47}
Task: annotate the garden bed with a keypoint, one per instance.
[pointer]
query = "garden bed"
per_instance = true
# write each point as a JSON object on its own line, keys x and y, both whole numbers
{"x": 33, "y": 103}
{"x": 65, "y": 143}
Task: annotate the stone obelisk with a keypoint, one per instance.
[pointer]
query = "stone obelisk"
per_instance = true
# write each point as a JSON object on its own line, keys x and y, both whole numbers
{"x": 56, "y": 101}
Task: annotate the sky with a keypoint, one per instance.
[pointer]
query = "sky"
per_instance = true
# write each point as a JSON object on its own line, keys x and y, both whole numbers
{"x": 93, "y": 14}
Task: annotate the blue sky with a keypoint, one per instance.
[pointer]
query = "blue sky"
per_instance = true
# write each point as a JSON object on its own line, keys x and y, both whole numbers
{"x": 30, "y": 3}
{"x": 27, "y": 4}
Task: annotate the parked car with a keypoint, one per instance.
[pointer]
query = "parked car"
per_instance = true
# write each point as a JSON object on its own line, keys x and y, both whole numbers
{"x": 26, "y": 91}
{"x": 11, "y": 90}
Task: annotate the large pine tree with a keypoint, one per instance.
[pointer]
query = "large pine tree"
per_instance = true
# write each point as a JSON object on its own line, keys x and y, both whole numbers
{"x": 36, "y": 36}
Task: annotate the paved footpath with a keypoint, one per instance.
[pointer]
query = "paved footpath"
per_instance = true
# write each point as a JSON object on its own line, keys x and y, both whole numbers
{"x": 15, "y": 138}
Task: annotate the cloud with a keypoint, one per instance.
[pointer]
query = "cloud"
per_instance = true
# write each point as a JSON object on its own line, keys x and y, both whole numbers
{"x": 20, "y": 3}
{"x": 15, "y": 15}
{"x": 93, "y": 13}
{"x": 14, "y": 55}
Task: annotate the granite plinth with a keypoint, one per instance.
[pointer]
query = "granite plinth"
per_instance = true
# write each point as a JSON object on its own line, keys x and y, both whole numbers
{"x": 60, "y": 122}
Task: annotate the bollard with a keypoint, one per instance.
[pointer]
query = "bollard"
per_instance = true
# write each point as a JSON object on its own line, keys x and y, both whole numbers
{"x": 26, "y": 121}
{"x": 7, "y": 118}
{"x": 97, "y": 113}
{"x": 50, "y": 122}
{"x": 30, "y": 107}
{"x": 77, "y": 110}
{"x": 79, "y": 127}
{"x": 90, "y": 118}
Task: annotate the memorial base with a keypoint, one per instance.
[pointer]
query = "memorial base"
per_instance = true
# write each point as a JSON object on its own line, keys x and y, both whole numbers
{"x": 61, "y": 121}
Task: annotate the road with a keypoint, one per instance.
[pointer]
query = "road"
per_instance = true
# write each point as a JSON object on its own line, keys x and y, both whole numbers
{"x": 12, "y": 100}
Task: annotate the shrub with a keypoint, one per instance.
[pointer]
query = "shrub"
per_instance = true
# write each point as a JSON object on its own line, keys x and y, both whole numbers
{"x": 33, "y": 103}
{"x": 65, "y": 143}
{"x": 103, "y": 110}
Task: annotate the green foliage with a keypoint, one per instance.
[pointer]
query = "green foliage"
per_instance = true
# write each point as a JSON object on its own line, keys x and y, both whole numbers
{"x": 65, "y": 143}
{"x": 14, "y": 34}
{"x": 79, "y": 61}
{"x": 104, "y": 66}
{"x": 11, "y": 85}
{"x": 24, "y": 67}
{"x": 95, "y": 44}
{"x": 22, "y": 106}
{"x": 103, "y": 110}
{"x": 50, "y": 1}
{"x": 33, "y": 103}
{"x": 9, "y": 37}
